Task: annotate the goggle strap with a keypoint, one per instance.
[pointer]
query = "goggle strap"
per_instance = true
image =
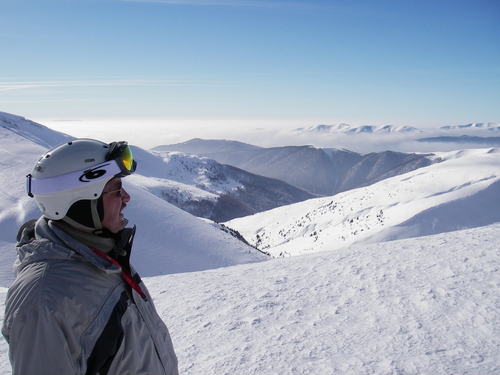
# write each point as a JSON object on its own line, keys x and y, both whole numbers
{"x": 115, "y": 149}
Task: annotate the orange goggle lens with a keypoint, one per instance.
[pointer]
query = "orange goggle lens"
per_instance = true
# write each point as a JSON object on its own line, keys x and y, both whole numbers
{"x": 127, "y": 158}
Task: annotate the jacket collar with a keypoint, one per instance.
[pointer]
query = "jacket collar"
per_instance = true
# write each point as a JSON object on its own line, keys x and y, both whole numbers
{"x": 103, "y": 244}
{"x": 42, "y": 240}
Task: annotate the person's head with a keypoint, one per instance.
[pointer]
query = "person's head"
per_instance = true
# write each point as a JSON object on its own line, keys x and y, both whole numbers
{"x": 80, "y": 182}
{"x": 114, "y": 200}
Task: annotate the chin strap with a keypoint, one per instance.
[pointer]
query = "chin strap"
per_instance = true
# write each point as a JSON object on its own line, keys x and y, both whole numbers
{"x": 95, "y": 215}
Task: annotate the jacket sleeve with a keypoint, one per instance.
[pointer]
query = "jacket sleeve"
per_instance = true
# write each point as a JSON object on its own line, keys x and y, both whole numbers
{"x": 38, "y": 344}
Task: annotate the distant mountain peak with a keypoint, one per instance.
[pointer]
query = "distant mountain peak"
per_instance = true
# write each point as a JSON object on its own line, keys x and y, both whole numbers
{"x": 361, "y": 129}
{"x": 397, "y": 129}
{"x": 213, "y": 145}
{"x": 492, "y": 126}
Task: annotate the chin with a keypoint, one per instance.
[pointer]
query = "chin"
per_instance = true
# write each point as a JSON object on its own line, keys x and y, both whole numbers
{"x": 122, "y": 225}
{"x": 116, "y": 228}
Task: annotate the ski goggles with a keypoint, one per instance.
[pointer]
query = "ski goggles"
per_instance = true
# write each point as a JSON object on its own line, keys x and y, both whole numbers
{"x": 121, "y": 153}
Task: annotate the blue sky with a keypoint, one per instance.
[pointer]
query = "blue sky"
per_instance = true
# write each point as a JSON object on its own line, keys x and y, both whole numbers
{"x": 404, "y": 62}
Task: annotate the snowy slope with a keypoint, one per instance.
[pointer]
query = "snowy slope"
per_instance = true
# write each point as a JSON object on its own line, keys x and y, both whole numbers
{"x": 196, "y": 173}
{"x": 417, "y": 306}
{"x": 168, "y": 239}
{"x": 428, "y": 305}
{"x": 462, "y": 191}
{"x": 181, "y": 179}
{"x": 32, "y": 131}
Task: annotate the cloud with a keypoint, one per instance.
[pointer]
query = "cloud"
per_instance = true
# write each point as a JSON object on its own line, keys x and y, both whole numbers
{"x": 27, "y": 85}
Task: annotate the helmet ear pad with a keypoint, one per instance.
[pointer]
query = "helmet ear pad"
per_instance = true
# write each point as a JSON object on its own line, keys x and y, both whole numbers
{"x": 88, "y": 214}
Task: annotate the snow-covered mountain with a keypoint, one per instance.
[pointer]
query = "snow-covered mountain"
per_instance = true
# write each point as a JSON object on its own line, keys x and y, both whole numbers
{"x": 461, "y": 191}
{"x": 206, "y": 188}
{"x": 36, "y": 133}
{"x": 350, "y": 129}
{"x": 369, "y": 138}
{"x": 210, "y": 146}
{"x": 393, "y": 129}
{"x": 162, "y": 246}
{"x": 317, "y": 170}
{"x": 491, "y": 126}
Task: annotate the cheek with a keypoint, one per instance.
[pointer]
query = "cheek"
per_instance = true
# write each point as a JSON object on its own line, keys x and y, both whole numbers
{"x": 111, "y": 206}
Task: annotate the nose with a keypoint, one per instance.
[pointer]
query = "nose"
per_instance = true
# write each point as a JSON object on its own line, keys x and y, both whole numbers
{"x": 125, "y": 196}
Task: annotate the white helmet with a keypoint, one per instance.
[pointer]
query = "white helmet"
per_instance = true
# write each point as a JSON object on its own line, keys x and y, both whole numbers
{"x": 77, "y": 171}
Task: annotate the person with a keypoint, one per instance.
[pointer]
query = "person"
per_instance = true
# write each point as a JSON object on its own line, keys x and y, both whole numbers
{"x": 76, "y": 305}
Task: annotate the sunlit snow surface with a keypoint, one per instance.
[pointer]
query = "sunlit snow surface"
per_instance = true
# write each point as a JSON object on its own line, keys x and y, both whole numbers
{"x": 418, "y": 306}
{"x": 427, "y": 305}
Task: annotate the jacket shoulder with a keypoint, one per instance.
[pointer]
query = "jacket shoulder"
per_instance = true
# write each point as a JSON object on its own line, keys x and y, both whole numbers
{"x": 29, "y": 227}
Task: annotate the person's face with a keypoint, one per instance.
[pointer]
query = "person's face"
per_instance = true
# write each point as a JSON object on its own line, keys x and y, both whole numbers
{"x": 113, "y": 204}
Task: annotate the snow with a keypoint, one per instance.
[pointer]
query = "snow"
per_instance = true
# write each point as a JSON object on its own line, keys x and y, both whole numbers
{"x": 409, "y": 306}
{"x": 426, "y": 305}
{"x": 184, "y": 169}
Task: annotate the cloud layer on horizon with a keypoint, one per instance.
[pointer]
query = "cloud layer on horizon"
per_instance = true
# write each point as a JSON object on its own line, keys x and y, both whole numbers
{"x": 148, "y": 133}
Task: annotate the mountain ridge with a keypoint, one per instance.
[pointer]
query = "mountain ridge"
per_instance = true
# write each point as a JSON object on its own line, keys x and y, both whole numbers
{"x": 317, "y": 170}
{"x": 208, "y": 189}
{"x": 350, "y": 129}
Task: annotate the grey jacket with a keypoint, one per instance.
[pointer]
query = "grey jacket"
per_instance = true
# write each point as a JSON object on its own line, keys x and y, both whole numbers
{"x": 69, "y": 311}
